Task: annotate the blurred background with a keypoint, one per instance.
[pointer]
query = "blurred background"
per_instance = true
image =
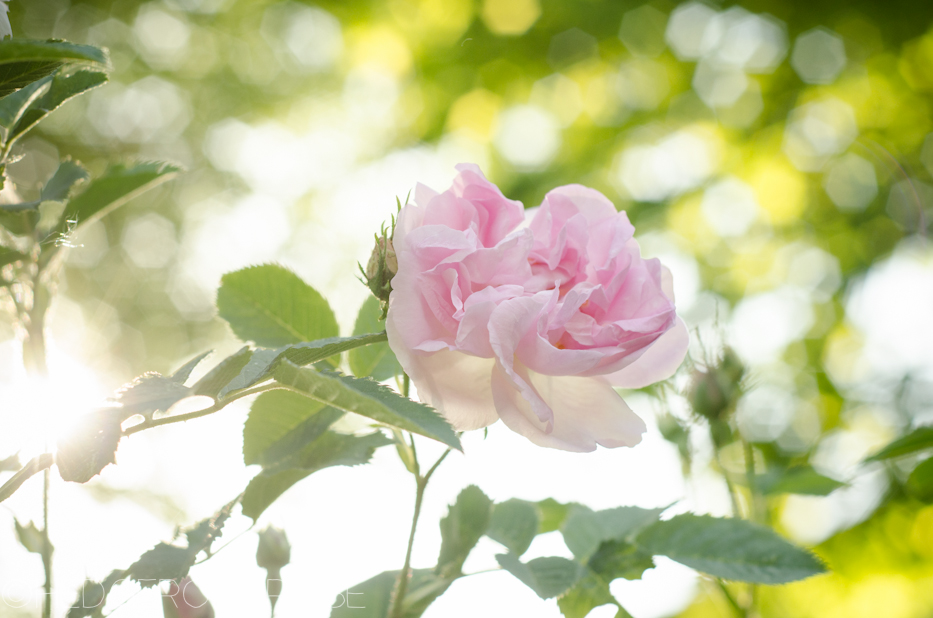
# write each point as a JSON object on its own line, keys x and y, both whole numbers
{"x": 776, "y": 155}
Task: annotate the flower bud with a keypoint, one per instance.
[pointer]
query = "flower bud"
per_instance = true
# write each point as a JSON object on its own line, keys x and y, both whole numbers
{"x": 383, "y": 264}
{"x": 714, "y": 392}
{"x": 185, "y": 600}
{"x": 274, "y": 551}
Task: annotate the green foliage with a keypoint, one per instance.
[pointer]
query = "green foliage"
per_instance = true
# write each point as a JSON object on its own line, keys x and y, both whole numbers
{"x": 548, "y": 577}
{"x": 589, "y": 592}
{"x": 119, "y": 185}
{"x": 373, "y": 598}
{"x": 584, "y": 530}
{"x": 327, "y": 449}
{"x": 553, "y": 514}
{"x": 23, "y": 62}
{"x": 461, "y": 529}
{"x": 29, "y": 536}
{"x": 920, "y": 439}
{"x": 13, "y": 106}
{"x": 182, "y": 374}
{"x": 222, "y": 374}
{"x": 514, "y": 524}
{"x": 797, "y": 480}
{"x": 62, "y": 184}
{"x": 376, "y": 361}
{"x": 64, "y": 87}
{"x": 91, "y": 446}
{"x": 150, "y": 393}
{"x": 731, "y": 549}
{"x": 367, "y": 398}
{"x": 280, "y": 423}
{"x": 920, "y": 481}
{"x": 271, "y": 306}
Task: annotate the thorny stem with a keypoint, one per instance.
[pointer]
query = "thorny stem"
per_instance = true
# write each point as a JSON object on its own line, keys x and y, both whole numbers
{"x": 756, "y": 512}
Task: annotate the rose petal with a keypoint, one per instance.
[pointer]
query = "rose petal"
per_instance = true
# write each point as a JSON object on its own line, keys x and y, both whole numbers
{"x": 658, "y": 362}
{"x": 587, "y": 412}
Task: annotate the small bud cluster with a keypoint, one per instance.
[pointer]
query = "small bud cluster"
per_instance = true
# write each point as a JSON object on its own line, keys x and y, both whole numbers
{"x": 714, "y": 391}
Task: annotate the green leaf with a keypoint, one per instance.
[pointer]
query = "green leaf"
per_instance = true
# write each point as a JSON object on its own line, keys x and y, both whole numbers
{"x": 367, "y": 398}
{"x": 461, "y": 529}
{"x": 29, "y": 536}
{"x": 273, "y": 307}
{"x": 548, "y": 577}
{"x": 116, "y": 187}
{"x": 91, "y": 445}
{"x": 23, "y": 61}
{"x": 798, "y": 480}
{"x": 329, "y": 449}
{"x": 373, "y": 598}
{"x": 585, "y": 530}
{"x": 220, "y": 376}
{"x": 10, "y": 464}
{"x": 182, "y": 374}
{"x": 263, "y": 361}
{"x": 62, "y": 183}
{"x": 64, "y": 87}
{"x": 150, "y": 393}
{"x": 920, "y": 481}
{"x": 553, "y": 514}
{"x": 9, "y": 256}
{"x": 21, "y": 220}
{"x": 615, "y": 559}
{"x": 730, "y": 549}
{"x": 919, "y": 439}
{"x": 13, "y": 106}
{"x": 377, "y": 361}
{"x": 166, "y": 561}
{"x": 514, "y": 524}
{"x": 589, "y": 592}
{"x": 93, "y": 595}
{"x": 281, "y": 423}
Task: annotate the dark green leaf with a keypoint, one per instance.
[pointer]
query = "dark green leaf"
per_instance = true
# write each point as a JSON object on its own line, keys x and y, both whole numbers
{"x": 919, "y": 439}
{"x": 91, "y": 446}
{"x": 29, "y": 536}
{"x": 615, "y": 559}
{"x": 150, "y": 393}
{"x": 920, "y": 481}
{"x": 514, "y": 524}
{"x": 93, "y": 595}
{"x": 9, "y": 256}
{"x": 376, "y": 361}
{"x": 60, "y": 185}
{"x": 24, "y": 61}
{"x": 64, "y": 87}
{"x": 282, "y": 423}
{"x": 730, "y": 549}
{"x": 461, "y": 529}
{"x": 367, "y": 398}
{"x": 20, "y": 221}
{"x": 13, "y": 106}
{"x": 116, "y": 187}
{"x": 373, "y": 598}
{"x": 263, "y": 362}
{"x": 330, "y": 449}
{"x": 226, "y": 370}
{"x": 799, "y": 480}
{"x": 585, "y": 530}
{"x": 548, "y": 577}
{"x": 589, "y": 592}
{"x": 273, "y": 307}
{"x": 553, "y": 514}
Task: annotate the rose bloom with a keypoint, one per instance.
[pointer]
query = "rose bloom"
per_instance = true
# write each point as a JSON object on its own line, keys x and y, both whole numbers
{"x": 535, "y": 323}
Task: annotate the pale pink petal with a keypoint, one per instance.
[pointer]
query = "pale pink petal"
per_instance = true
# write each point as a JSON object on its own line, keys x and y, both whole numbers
{"x": 658, "y": 362}
{"x": 587, "y": 412}
{"x": 457, "y": 385}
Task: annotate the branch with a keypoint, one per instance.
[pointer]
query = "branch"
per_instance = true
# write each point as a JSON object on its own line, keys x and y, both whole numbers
{"x": 38, "y": 464}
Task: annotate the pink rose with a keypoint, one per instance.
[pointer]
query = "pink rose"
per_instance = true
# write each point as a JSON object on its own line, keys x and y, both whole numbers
{"x": 532, "y": 324}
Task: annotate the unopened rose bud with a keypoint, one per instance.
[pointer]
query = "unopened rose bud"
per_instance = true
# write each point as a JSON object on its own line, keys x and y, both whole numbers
{"x": 382, "y": 266}
{"x": 185, "y": 600}
{"x": 715, "y": 391}
{"x": 274, "y": 552}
